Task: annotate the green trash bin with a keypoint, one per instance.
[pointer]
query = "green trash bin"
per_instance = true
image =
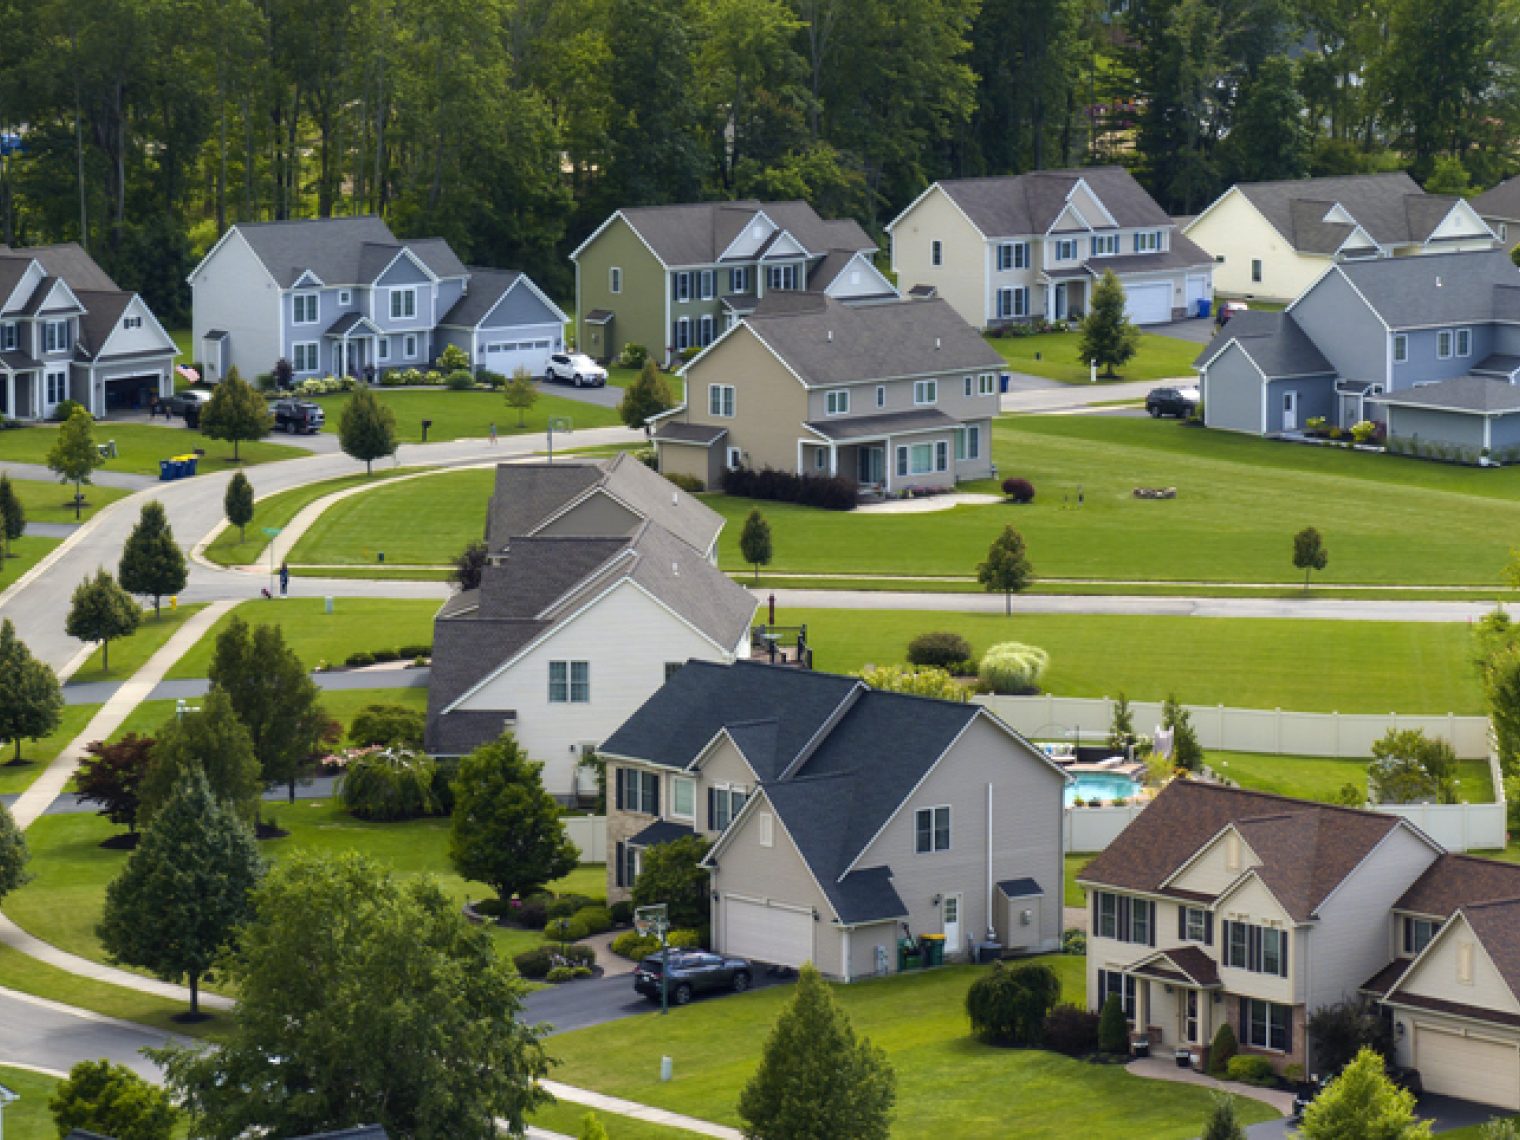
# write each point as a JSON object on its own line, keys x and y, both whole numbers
{"x": 904, "y": 949}
{"x": 933, "y": 947}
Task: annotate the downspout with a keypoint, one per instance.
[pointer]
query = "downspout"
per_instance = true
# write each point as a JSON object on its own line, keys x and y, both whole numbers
{"x": 990, "y": 927}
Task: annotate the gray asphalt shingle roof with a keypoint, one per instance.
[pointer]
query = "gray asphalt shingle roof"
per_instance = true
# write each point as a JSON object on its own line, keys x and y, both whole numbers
{"x": 1184, "y": 253}
{"x": 69, "y": 261}
{"x": 1503, "y": 201}
{"x": 888, "y": 423}
{"x": 1020, "y": 205}
{"x": 487, "y": 287}
{"x": 1275, "y": 341}
{"x": 340, "y": 251}
{"x": 102, "y": 312}
{"x": 1391, "y": 208}
{"x": 677, "y": 432}
{"x": 697, "y": 233}
{"x": 1479, "y": 395}
{"x": 1410, "y": 292}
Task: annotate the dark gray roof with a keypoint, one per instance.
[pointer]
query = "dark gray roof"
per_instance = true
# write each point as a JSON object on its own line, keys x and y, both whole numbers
{"x": 347, "y": 323}
{"x": 487, "y": 287}
{"x": 1477, "y": 395}
{"x": 1436, "y": 289}
{"x": 1391, "y": 208}
{"x": 1020, "y": 888}
{"x": 341, "y": 251}
{"x": 439, "y": 256}
{"x": 102, "y": 313}
{"x": 888, "y": 423}
{"x": 698, "y": 233}
{"x": 826, "y": 342}
{"x": 661, "y": 831}
{"x": 1275, "y": 341}
{"x": 18, "y": 362}
{"x": 1022, "y": 204}
{"x": 1184, "y": 253}
{"x": 41, "y": 295}
{"x": 1498, "y": 363}
{"x": 674, "y": 431}
{"x": 599, "y": 316}
{"x": 69, "y": 261}
{"x": 12, "y": 269}
{"x": 1503, "y": 201}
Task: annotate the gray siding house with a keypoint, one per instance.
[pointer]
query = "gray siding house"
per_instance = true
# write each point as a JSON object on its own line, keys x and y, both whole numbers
{"x": 68, "y": 333}
{"x": 1428, "y": 347}
{"x": 843, "y": 818}
{"x": 346, "y": 297}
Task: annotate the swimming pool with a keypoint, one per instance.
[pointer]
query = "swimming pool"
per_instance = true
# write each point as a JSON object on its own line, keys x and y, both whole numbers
{"x": 1090, "y": 786}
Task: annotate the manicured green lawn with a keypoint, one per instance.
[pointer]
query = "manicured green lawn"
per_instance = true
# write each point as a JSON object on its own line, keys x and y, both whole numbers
{"x": 141, "y": 446}
{"x": 1311, "y": 666}
{"x": 1322, "y": 777}
{"x": 341, "y": 704}
{"x": 277, "y": 510}
{"x": 1057, "y": 356}
{"x": 420, "y": 521}
{"x": 355, "y": 624}
{"x": 943, "y": 1074}
{"x": 567, "y": 1119}
{"x": 53, "y": 502}
{"x": 28, "y": 1118}
{"x": 1474, "y": 1131}
{"x": 37, "y": 754}
{"x": 1075, "y": 895}
{"x": 129, "y": 654}
{"x": 460, "y": 415}
{"x": 28, "y": 552}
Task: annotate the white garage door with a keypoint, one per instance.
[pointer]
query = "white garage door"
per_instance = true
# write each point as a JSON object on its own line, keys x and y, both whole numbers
{"x": 780, "y": 936}
{"x": 1468, "y": 1067}
{"x": 1149, "y": 303}
{"x": 505, "y": 355}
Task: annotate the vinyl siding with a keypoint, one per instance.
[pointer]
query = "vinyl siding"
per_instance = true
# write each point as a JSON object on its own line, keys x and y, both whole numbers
{"x": 769, "y": 402}
{"x": 1431, "y": 426}
{"x": 1232, "y": 393}
{"x": 598, "y": 515}
{"x": 639, "y": 309}
{"x": 1235, "y": 231}
{"x": 1349, "y": 334}
{"x": 1253, "y": 903}
{"x": 232, "y": 292}
{"x": 1424, "y": 365}
{"x": 1210, "y": 872}
{"x": 1436, "y": 974}
{"x": 704, "y": 463}
{"x": 962, "y": 278}
{"x": 521, "y": 306}
{"x": 1505, "y": 432}
{"x": 147, "y": 338}
{"x": 1316, "y": 397}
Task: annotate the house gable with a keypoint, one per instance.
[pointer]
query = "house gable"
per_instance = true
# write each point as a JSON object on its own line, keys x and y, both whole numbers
{"x": 1249, "y": 899}
{"x": 522, "y": 304}
{"x": 31, "y": 277}
{"x": 1087, "y": 203}
{"x": 1462, "y": 222}
{"x": 751, "y": 237}
{"x": 724, "y": 762}
{"x": 149, "y": 336}
{"x": 1456, "y": 953}
{"x": 1069, "y": 220}
{"x": 859, "y": 278}
{"x": 1218, "y": 864}
{"x": 594, "y": 514}
{"x": 784, "y": 247}
{"x": 406, "y": 268}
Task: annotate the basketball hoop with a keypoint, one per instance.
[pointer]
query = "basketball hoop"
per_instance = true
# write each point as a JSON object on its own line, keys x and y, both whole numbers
{"x": 651, "y": 920}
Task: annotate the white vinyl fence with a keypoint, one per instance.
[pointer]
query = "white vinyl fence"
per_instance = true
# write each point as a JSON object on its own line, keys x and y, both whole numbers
{"x": 589, "y": 833}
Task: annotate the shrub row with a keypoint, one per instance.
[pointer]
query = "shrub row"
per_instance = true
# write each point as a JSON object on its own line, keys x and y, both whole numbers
{"x": 538, "y": 962}
{"x": 582, "y": 924}
{"x": 831, "y": 492}
{"x": 686, "y": 482}
{"x": 377, "y": 656}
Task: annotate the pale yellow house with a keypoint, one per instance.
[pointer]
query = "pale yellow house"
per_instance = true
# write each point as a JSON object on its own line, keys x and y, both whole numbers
{"x": 1272, "y": 240}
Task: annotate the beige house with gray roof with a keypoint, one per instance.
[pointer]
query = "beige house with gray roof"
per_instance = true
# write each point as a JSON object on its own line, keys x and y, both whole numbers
{"x": 893, "y": 396}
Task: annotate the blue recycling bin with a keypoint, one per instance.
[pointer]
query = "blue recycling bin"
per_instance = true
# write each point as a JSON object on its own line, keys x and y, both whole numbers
{"x": 189, "y": 465}
{"x": 1203, "y": 306}
{"x": 166, "y": 470}
{"x": 1003, "y": 379}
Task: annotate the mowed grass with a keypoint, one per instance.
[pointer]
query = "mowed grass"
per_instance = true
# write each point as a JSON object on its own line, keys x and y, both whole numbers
{"x": 567, "y": 1119}
{"x": 341, "y": 704}
{"x": 129, "y": 654}
{"x": 53, "y": 502}
{"x": 421, "y": 521}
{"x": 943, "y": 1074}
{"x": 1058, "y": 356}
{"x": 141, "y": 446}
{"x": 29, "y": 1118}
{"x": 1322, "y": 777}
{"x": 63, "y": 902}
{"x": 28, "y": 552}
{"x": 1309, "y": 666}
{"x": 16, "y": 776}
{"x": 240, "y": 548}
{"x": 356, "y": 624}
{"x": 469, "y": 415}
{"x": 1075, "y": 865}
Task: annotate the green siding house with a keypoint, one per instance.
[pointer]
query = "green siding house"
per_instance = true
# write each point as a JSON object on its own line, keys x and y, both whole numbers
{"x": 672, "y": 278}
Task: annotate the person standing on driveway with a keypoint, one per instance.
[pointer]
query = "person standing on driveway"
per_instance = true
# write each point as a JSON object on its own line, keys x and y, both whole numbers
{"x": 284, "y": 579}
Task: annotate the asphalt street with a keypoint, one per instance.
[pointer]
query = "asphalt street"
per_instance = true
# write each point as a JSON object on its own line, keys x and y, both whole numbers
{"x": 597, "y": 1001}
{"x": 53, "y": 1036}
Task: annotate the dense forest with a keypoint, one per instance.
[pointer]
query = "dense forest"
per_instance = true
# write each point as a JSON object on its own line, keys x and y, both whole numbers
{"x": 512, "y": 127}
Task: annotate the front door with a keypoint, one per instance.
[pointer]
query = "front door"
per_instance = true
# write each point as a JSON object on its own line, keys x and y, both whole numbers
{"x": 871, "y": 465}
{"x": 950, "y": 918}
{"x": 1060, "y": 313}
{"x": 1290, "y": 411}
{"x": 1189, "y": 1027}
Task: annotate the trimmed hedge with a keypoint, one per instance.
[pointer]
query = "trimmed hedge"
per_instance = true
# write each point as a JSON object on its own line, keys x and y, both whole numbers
{"x": 1019, "y": 490}
{"x": 941, "y": 648}
{"x": 1071, "y": 1030}
{"x": 686, "y": 482}
{"x": 567, "y": 906}
{"x": 635, "y": 946}
{"x": 830, "y": 492}
{"x": 567, "y": 974}
{"x": 1251, "y": 1070}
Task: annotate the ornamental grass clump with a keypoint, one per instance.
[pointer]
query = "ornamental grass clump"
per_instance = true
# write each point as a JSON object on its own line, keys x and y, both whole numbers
{"x": 1013, "y": 667}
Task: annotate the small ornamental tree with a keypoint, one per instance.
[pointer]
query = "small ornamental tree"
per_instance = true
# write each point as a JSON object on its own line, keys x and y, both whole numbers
{"x": 367, "y": 429}
{"x": 106, "y": 1099}
{"x": 1007, "y": 568}
{"x": 236, "y": 412}
{"x": 151, "y": 563}
{"x": 1222, "y": 1048}
{"x": 111, "y": 775}
{"x": 452, "y": 359}
{"x": 13, "y": 854}
{"x": 212, "y": 740}
{"x": 521, "y": 393}
{"x": 1337, "y": 1033}
{"x": 1113, "y": 1027}
{"x": 1223, "y": 1121}
{"x": 1121, "y": 729}
{"x": 238, "y": 504}
{"x": 1309, "y": 553}
{"x": 672, "y": 873}
{"x": 506, "y": 831}
{"x": 1108, "y": 335}
{"x": 74, "y": 454}
{"x": 1186, "y": 751}
{"x": 817, "y": 1080}
{"x": 1363, "y": 1102}
{"x": 1009, "y": 1007}
{"x": 647, "y": 396}
{"x": 185, "y": 889}
{"x": 102, "y": 611}
{"x": 31, "y": 701}
{"x": 12, "y": 516}
{"x": 755, "y": 541}
{"x": 1410, "y": 767}
{"x": 470, "y": 565}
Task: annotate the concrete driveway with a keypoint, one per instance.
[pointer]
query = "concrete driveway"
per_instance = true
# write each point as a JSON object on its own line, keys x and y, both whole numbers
{"x": 1200, "y": 330}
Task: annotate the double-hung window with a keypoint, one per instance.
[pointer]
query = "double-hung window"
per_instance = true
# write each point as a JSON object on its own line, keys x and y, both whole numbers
{"x": 1105, "y": 245}
{"x": 1148, "y": 241}
{"x": 409, "y": 346}
{"x": 1066, "y": 249}
{"x": 1122, "y": 986}
{"x": 1012, "y": 303}
{"x": 986, "y": 384}
{"x": 1400, "y": 348}
{"x": 1265, "y": 1025}
{"x": 1194, "y": 924}
{"x": 1417, "y": 934}
{"x": 57, "y": 387}
{"x": 403, "y": 304}
{"x": 705, "y": 330}
{"x": 305, "y": 356}
{"x": 1124, "y": 919}
{"x": 1259, "y": 949}
{"x": 931, "y": 830}
{"x": 1444, "y": 340}
{"x": 683, "y": 286}
{"x": 925, "y": 391}
{"x": 303, "y": 309}
{"x": 738, "y": 280}
{"x": 968, "y": 443}
{"x": 683, "y": 797}
{"x": 638, "y": 791}
{"x": 1013, "y": 255}
{"x": 382, "y": 348}
{"x": 781, "y": 277}
{"x": 837, "y": 402}
{"x": 720, "y": 400}
{"x": 1464, "y": 342}
{"x": 683, "y": 333}
{"x": 707, "y": 284}
{"x": 8, "y": 337}
{"x": 569, "y": 682}
{"x": 723, "y": 803}
{"x": 55, "y": 336}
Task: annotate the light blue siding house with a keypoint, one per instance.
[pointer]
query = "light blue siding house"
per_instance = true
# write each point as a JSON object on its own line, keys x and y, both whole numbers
{"x": 346, "y": 297}
{"x": 1427, "y": 347}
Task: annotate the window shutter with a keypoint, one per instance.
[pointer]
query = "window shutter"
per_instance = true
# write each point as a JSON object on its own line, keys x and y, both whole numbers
{"x": 1094, "y": 926}
{"x": 618, "y": 873}
{"x": 1243, "y": 1032}
{"x": 617, "y": 779}
{"x": 1282, "y": 954}
{"x": 712, "y": 809}
{"x": 1182, "y": 913}
{"x": 654, "y": 794}
{"x": 1208, "y": 928}
{"x": 1150, "y": 925}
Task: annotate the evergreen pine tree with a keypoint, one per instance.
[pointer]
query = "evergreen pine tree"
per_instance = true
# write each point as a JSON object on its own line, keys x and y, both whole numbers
{"x": 12, "y": 516}
{"x": 755, "y": 541}
{"x": 31, "y": 701}
{"x": 367, "y": 429}
{"x": 238, "y": 503}
{"x": 1186, "y": 751}
{"x": 1113, "y": 1026}
{"x": 74, "y": 455}
{"x": 648, "y": 395}
{"x": 1223, "y": 1121}
{"x": 1108, "y": 335}
{"x": 151, "y": 563}
{"x": 236, "y": 412}
{"x": 102, "y": 611}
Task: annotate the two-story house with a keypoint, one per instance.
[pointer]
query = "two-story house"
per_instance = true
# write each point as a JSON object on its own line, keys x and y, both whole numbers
{"x": 1007, "y": 250}
{"x": 1428, "y": 345}
{"x": 1499, "y": 208}
{"x": 601, "y": 582}
{"x": 893, "y": 395}
{"x": 346, "y": 297}
{"x": 843, "y": 818}
{"x": 675, "y": 277}
{"x": 68, "y": 333}
{"x": 1272, "y": 240}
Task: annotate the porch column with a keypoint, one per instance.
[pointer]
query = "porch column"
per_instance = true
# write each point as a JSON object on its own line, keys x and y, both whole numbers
{"x": 833, "y": 458}
{"x": 1142, "y": 1005}
{"x": 10, "y": 395}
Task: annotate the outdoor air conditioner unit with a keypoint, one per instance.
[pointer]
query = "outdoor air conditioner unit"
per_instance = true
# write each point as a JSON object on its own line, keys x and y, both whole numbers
{"x": 1026, "y": 917}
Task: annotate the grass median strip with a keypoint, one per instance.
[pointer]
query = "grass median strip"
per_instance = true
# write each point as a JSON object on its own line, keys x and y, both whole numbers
{"x": 28, "y": 552}
{"x": 38, "y": 754}
{"x": 140, "y": 447}
{"x": 53, "y": 502}
{"x": 129, "y": 654}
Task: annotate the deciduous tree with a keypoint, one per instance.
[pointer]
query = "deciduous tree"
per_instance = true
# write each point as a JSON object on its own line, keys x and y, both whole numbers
{"x": 470, "y": 565}
{"x": 112, "y": 774}
{"x": 1009, "y": 1006}
{"x": 74, "y": 454}
{"x": 236, "y": 412}
{"x": 102, "y": 611}
{"x": 1007, "y": 568}
{"x": 1410, "y": 767}
{"x": 13, "y": 854}
{"x": 647, "y": 396}
{"x": 817, "y": 1080}
{"x": 755, "y": 541}
{"x": 521, "y": 393}
{"x": 367, "y": 429}
{"x": 340, "y": 950}
{"x": 31, "y": 701}
{"x": 186, "y": 888}
{"x": 238, "y": 503}
{"x": 210, "y": 739}
{"x": 152, "y": 563}
{"x": 1309, "y": 553}
{"x": 506, "y": 831}
{"x": 12, "y": 516}
{"x": 106, "y": 1099}
{"x": 1108, "y": 335}
{"x": 1363, "y": 1103}
{"x": 672, "y": 873}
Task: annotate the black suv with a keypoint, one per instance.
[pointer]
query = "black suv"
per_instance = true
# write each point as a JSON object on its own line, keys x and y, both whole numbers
{"x": 1178, "y": 402}
{"x": 298, "y": 417}
{"x": 692, "y": 972}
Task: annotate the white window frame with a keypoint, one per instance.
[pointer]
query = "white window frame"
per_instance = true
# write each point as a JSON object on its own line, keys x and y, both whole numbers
{"x": 936, "y": 252}
{"x": 727, "y": 802}
{"x": 735, "y": 459}
{"x": 836, "y": 402}
{"x": 1464, "y": 342}
{"x": 1445, "y": 342}
{"x": 409, "y": 347}
{"x": 382, "y": 348}
{"x": 305, "y": 308}
{"x": 683, "y": 287}
{"x": 881, "y": 395}
{"x": 705, "y": 330}
{"x": 925, "y": 392}
{"x": 345, "y": 296}
{"x": 820, "y": 458}
{"x": 615, "y": 279}
{"x": 1417, "y": 933}
{"x": 1248, "y": 1034}
{"x": 942, "y": 455}
{"x": 1004, "y": 256}
{"x": 10, "y": 336}
{"x": 1400, "y": 348}
{"x": 766, "y": 829}
{"x": 131, "y": 322}
{"x": 683, "y": 333}
{"x": 721, "y": 400}
{"x": 1104, "y": 245}
{"x": 738, "y": 279}
{"x": 310, "y": 349}
{"x": 967, "y": 385}
{"x": 55, "y": 386}
{"x": 915, "y": 459}
{"x": 968, "y": 443}
{"x": 680, "y": 785}
{"x": 707, "y": 284}
{"x": 55, "y": 336}
{"x": 986, "y": 384}
{"x": 1148, "y": 241}
{"x": 938, "y": 832}
{"x": 404, "y": 298}
{"x": 1195, "y": 931}
{"x": 1257, "y": 269}
{"x": 569, "y": 682}
{"x": 781, "y": 278}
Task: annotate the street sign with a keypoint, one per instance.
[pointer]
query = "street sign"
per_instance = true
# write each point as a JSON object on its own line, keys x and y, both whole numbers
{"x": 271, "y": 531}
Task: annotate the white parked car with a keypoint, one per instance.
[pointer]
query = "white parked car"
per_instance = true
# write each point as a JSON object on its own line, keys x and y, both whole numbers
{"x": 575, "y": 368}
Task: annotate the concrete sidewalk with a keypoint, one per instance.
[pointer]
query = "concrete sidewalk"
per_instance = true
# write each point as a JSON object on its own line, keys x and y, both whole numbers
{"x": 1165, "y": 1069}
{"x": 636, "y": 1111}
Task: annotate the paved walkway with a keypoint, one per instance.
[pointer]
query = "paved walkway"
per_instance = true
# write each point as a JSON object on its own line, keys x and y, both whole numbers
{"x": 348, "y": 680}
{"x": 927, "y": 503}
{"x": 638, "y": 1111}
{"x": 1165, "y": 1069}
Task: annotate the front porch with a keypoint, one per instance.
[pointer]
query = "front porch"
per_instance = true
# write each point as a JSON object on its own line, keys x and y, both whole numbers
{"x": 898, "y": 451}
{"x": 1066, "y": 294}
{"x": 352, "y": 347}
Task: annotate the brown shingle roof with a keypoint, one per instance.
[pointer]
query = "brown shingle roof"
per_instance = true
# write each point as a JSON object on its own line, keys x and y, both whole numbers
{"x": 1382, "y": 981}
{"x": 1477, "y": 1013}
{"x": 1192, "y": 966}
{"x": 1455, "y": 881}
{"x": 1497, "y": 925}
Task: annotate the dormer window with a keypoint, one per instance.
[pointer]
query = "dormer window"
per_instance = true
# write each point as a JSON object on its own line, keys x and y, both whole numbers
{"x": 304, "y": 309}
{"x": 1149, "y": 241}
{"x": 55, "y": 336}
{"x": 403, "y": 304}
{"x": 1417, "y": 934}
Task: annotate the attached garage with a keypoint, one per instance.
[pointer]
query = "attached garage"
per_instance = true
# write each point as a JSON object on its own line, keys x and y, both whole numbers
{"x": 774, "y": 933}
{"x": 1148, "y": 302}
{"x": 1197, "y": 290}
{"x": 1475, "y": 1068}
{"x": 131, "y": 393}
{"x": 503, "y": 352}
